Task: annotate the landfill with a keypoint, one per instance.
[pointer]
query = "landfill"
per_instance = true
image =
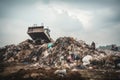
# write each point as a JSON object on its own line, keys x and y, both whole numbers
{"x": 63, "y": 59}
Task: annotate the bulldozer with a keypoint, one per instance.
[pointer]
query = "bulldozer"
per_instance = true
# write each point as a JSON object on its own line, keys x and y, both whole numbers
{"x": 39, "y": 34}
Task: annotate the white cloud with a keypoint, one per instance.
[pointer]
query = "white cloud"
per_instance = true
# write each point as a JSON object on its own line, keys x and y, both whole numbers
{"x": 84, "y": 17}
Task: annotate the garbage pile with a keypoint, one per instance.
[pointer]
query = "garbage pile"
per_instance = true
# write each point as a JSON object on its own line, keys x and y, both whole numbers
{"x": 65, "y": 52}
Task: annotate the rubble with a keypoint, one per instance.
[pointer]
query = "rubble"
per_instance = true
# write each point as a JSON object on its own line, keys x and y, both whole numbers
{"x": 64, "y": 54}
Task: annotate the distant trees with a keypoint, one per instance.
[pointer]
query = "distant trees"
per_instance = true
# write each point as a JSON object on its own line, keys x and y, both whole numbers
{"x": 113, "y": 47}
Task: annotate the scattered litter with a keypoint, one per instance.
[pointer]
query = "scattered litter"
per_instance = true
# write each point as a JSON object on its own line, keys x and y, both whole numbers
{"x": 61, "y": 73}
{"x": 65, "y": 52}
{"x": 86, "y": 60}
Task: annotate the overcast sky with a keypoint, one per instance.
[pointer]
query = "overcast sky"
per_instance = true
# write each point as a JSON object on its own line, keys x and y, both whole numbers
{"x": 88, "y": 20}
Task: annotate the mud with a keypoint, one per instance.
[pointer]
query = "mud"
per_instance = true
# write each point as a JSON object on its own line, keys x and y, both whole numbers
{"x": 25, "y": 72}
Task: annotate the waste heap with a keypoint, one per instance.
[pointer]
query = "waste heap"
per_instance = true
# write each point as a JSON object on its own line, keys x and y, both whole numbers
{"x": 65, "y": 52}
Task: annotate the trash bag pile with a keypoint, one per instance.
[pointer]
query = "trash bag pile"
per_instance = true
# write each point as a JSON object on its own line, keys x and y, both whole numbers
{"x": 65, "y": 52}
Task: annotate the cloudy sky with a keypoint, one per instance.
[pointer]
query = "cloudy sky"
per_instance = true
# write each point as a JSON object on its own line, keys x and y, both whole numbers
{"x": 88, "y": 20}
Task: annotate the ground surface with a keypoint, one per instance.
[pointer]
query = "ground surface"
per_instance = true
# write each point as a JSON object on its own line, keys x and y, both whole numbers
{"x": 28, "y": 72}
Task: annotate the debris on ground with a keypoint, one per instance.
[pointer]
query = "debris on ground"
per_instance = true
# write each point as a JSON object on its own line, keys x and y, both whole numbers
{"x": 63, "y": 55}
